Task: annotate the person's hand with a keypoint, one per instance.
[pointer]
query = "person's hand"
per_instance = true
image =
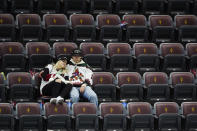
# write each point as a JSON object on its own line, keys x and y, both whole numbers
{"x": 87, "y": 81}
{"x": 82, "y": 88}
{"x": 58, "y": 80}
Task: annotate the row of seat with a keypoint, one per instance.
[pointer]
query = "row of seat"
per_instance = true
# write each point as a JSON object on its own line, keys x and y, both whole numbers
{"x": 106, "y": 28}
{"x": 128, "y": 86}
{"x": 138, "y": 116}
{"x": 100, "y": 6}
{"x": 116, "y": 57}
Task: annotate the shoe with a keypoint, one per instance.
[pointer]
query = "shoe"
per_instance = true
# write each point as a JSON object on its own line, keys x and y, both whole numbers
{"x": 53, "y": 100}
{"x": 60, "y": 100}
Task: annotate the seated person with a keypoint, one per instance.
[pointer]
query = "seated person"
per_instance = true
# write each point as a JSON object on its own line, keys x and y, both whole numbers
{"x": 55, "y": 81}
{"x": 81, "y": 76}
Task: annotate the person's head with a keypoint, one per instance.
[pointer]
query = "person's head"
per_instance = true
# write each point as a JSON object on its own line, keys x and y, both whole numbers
{"x": 76, "y": 55}
{"x": 61, "y": 63}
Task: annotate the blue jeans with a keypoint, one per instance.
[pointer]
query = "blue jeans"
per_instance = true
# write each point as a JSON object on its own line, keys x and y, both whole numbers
{"x": 88, "y": 94}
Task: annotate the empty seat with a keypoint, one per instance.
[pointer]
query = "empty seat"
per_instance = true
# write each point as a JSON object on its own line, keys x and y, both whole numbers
{"x": 7, "y": 27}
{"x": 109, "y": 26}
{"x": 63, "y": 49}
{"x": 187, "y": 28}
{"x": 38, "y": 54}
{"x": 157, "y": 86}
{"x": 141, "y": 116}
{"x": 194, "y": 9}
{"x": 162, "y": 28}
{"x": 56, "y": 26}
{"x": 29, "y": 115}
{"x": 7, "y": 121}
{"x": 113, "y": 116}
{"x": 2, "y": 89}
{"x": 155, "y": 78}
{"x": 100, "y": 6}
{"x": 181, "y": 20}
{"x": 184, "y": 87}
{"x": 130, "y": 86}
{"x": 103, "y": 85}
{"x": 120, "y": 56}
{"x": 13, "y": 57}
{"x": 173, "y": 56}
{"x": 176, "y": 7}
{"x": 3, "y": 93}
{"x": 93, "y": 55}
{"x": 20, "y": 86}
{"x": 169, "y": 119}
{"x": 57, "y": 116}
{"x": 85, "y": 115}
{"x": 1, "y": 53}
{"x": 147, "y": 56}
{"x": 191, "y": 49}
{"x": 181, "y": 78}
{"x": 136, "y": 28}
{"x": 22, "y": 6}
{"x": 29, "y": 26}
{"x": 48, "y": 6}
{"x": 189, "y": 110}
{"x": 165, "y": 107}
{"x": 75, "y": 7}
{"x": 153, "y": 7}
{"x": 3, "y": 6}
{"x": 83, "y": 27}
{"x": 127, "y": 6}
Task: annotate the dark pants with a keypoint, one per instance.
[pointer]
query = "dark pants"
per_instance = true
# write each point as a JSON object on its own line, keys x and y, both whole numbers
{"x": 55, "y": 89}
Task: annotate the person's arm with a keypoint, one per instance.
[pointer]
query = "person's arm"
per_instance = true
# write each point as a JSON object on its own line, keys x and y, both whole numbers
{"x": 44, "y": 74}
{"x": 88, "y": 80}
{"x": 88, "y": 77}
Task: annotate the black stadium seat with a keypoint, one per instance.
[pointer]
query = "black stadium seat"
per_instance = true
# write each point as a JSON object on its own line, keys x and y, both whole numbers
{"x": 187, "y": 28}
{"x": 7, "y": 117}
{"x": 162, "y": 28}
{"x": 153, "y": 7}
{"x": 22, "y": 6}
{"x": 38, "y": 54}
{"x": 147, "y": 57}
{"x": 86, "y": 116}
{"x": 13, "y": 58}
{"x": 29, "y": 116}
{"x": 57, "y": 116}
{"x": 3, "y": 6}
{"x": 157, "y": 86}
{"x": 136, "y": 30}
{"x": 104, "y": 86}
{"x": 48, "y": 6}
{"x": 130, "y": 86}
{"x": 120, "y": 56}
{"x": 29, "y": 26}
{"x": 113, "y": 115}
{"x": 83, "y": 27}
{"x": 141, "y": 116}
{"x": 56, "y": 26}
{"x": 173, "y": 57}
{"x": 109, "y": 26}
{"x": 93, "y": 54}
{"x": 7, "y": 28}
